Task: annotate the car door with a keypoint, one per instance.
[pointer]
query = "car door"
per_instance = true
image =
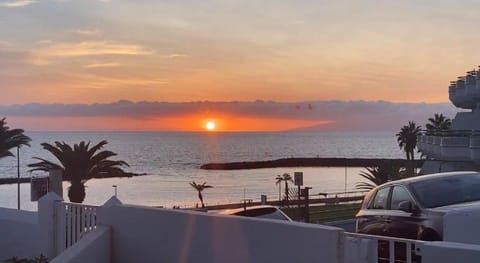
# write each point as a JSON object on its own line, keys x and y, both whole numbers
{"x": 372, "y": 220}
{"x": 399, "y": 223}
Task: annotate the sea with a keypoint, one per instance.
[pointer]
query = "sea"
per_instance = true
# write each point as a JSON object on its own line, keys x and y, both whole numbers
{"x": 171, "y": 160}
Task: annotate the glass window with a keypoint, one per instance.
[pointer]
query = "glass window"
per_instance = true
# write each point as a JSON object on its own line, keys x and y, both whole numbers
{"x": 381, "y": 198}
{"x": 449, "y": 190}
{"x": 399, "y": 194}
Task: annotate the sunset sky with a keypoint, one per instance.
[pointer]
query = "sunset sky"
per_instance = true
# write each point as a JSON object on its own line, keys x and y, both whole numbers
{"x": 294, "y": 53}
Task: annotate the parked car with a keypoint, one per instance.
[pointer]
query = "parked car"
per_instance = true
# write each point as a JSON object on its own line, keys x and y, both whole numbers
{"x": 261, "y": 211}
{"x": 413, "y": 208}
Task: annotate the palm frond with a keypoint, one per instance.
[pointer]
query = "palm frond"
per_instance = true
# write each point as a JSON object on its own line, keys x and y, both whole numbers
{"x": 378, "y": 176}
{"x": 200, "y": 187}
{"x": 11, "y": 138}
{"x": 81, "y": 163}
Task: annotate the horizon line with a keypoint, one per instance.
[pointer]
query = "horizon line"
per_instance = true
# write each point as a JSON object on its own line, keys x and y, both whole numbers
{"x": 221, "y": 101}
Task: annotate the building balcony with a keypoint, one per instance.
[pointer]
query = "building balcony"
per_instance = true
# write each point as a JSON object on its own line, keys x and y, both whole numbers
{"x": 475, "y": 148}
{"x": 465, "y": 97}
{"x": 451, "y": 146}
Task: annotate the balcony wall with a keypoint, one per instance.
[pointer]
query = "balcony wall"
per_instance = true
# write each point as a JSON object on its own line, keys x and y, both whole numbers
{"x": 475, "y": 149}
{"x": 467, "y": 121}
{"x": 455, "y": 148}
{"x": 436, "y": 147}
{"x": 450, "y": 148}
{"x": 460, "y": 97}
{"x": 429, "y": 145}
{"x": 421, "y": 142}
{"x": 142, "y": 234}
{"x": 465, "y": 97}
{"x": 19, "y": 234}
{"x": 472, "y": 92}
{"x": 93, "y": 247}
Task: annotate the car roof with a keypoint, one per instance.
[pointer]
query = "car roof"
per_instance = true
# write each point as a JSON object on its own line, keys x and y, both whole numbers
{"x": 428, "y": 177}
{"x": 236, "y": 210}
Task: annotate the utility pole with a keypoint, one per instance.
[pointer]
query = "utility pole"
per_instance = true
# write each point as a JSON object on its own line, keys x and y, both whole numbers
{"x": 18, "y": 177}
{"x": 298, "y": 176}
{"x": 307, "y": 204}
{"x": 299, "y": 203}
{"x": 244, "y": 201}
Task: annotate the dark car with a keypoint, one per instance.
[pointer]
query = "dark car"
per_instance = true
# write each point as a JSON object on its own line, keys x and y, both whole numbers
{"x": 413, "y": 208}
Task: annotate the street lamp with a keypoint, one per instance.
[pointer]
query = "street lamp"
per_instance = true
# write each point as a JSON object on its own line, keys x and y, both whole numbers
{"x": 18, "y": 177}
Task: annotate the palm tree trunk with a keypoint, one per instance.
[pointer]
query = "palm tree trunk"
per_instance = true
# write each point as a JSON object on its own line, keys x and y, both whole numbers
{"x": 279, "y": 192}
{"x": 286, "y": 192}
{"x": 201, "y": 198}
{"x": 76, "y": 192}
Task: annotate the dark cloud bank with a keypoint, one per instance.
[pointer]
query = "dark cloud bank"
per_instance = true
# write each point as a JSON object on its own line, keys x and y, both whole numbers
{"x": 344, "y": 115}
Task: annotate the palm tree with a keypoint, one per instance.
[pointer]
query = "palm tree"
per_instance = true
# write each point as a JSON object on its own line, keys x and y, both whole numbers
{"x": 200, "y": 188}
{"x": 278, "y": 181}
{"x": 378, "y": 175}
{"x": 285, "y": 178}
{"x": 80, "y": 164}
{"x": 11, "y": 138}
{"x": 438, "y": 123}
{"x": 407, "y": 138}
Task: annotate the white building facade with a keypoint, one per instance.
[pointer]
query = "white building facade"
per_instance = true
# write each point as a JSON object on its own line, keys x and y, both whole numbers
{"x": 459, "y": 147}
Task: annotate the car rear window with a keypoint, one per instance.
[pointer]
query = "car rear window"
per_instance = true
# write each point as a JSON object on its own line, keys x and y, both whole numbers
{"x": 256, "y": 212}
{"x": 448, "y": 191}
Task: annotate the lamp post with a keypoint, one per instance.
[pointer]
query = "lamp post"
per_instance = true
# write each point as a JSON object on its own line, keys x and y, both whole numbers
{"x": 18, "y": 177}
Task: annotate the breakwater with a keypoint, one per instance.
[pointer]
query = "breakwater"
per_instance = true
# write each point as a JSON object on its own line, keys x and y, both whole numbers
{"x": 313, "y": 162}
{"x": 22, "y": 180}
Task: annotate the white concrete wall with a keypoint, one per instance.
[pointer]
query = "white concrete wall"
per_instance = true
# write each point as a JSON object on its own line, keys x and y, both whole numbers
{"x": 160, "y": 235}
{"x": 93, "y": 247}
{"x": 19, "y": 233}
{"x": 439, "y": 252}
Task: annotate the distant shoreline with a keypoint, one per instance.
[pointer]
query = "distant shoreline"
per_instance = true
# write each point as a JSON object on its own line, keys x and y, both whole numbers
{"x": 311, "y": 162}
{"x": 23, "y": 180}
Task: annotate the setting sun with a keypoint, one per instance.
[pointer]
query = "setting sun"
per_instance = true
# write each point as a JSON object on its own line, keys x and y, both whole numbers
{"x": 210, "y": 125}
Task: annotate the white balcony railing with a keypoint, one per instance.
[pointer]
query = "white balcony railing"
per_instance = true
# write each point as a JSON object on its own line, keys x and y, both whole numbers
{"x": 73, "y": 222}
{"x": 391, "y": 250}
{"x": 451, "y": 145}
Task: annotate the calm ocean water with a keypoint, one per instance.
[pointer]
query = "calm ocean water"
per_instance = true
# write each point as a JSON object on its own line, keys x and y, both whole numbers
{"x": 172, "y": 160}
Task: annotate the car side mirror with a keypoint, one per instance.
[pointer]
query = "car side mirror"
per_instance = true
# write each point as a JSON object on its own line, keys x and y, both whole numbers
{"x": 406, "y": 206}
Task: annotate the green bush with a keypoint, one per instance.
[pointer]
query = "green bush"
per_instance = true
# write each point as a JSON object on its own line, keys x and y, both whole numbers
{"x": 39, "y": 259}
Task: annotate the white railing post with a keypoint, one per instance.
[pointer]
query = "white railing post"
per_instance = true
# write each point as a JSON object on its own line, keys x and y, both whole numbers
{"x": 359, "y": 250}
{"x": 369, "y": 253}
{"x": 61, "y": 227}
{"x": 74, "y": 221}
{"x": 63, "y": 224}
{"x": 47, "y": 223}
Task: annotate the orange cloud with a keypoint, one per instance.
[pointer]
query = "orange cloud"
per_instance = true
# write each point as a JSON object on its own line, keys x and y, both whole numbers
{"x": 87, "y": 32}
{"x": 103, "y": 65}
{"x": 91, "y": 49}
{"x": 20, "y": 3}
{"x": 228, "y": 116}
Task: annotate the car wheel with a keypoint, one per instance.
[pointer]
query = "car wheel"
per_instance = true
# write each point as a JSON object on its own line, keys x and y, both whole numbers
{"x": 429, "y": 235}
